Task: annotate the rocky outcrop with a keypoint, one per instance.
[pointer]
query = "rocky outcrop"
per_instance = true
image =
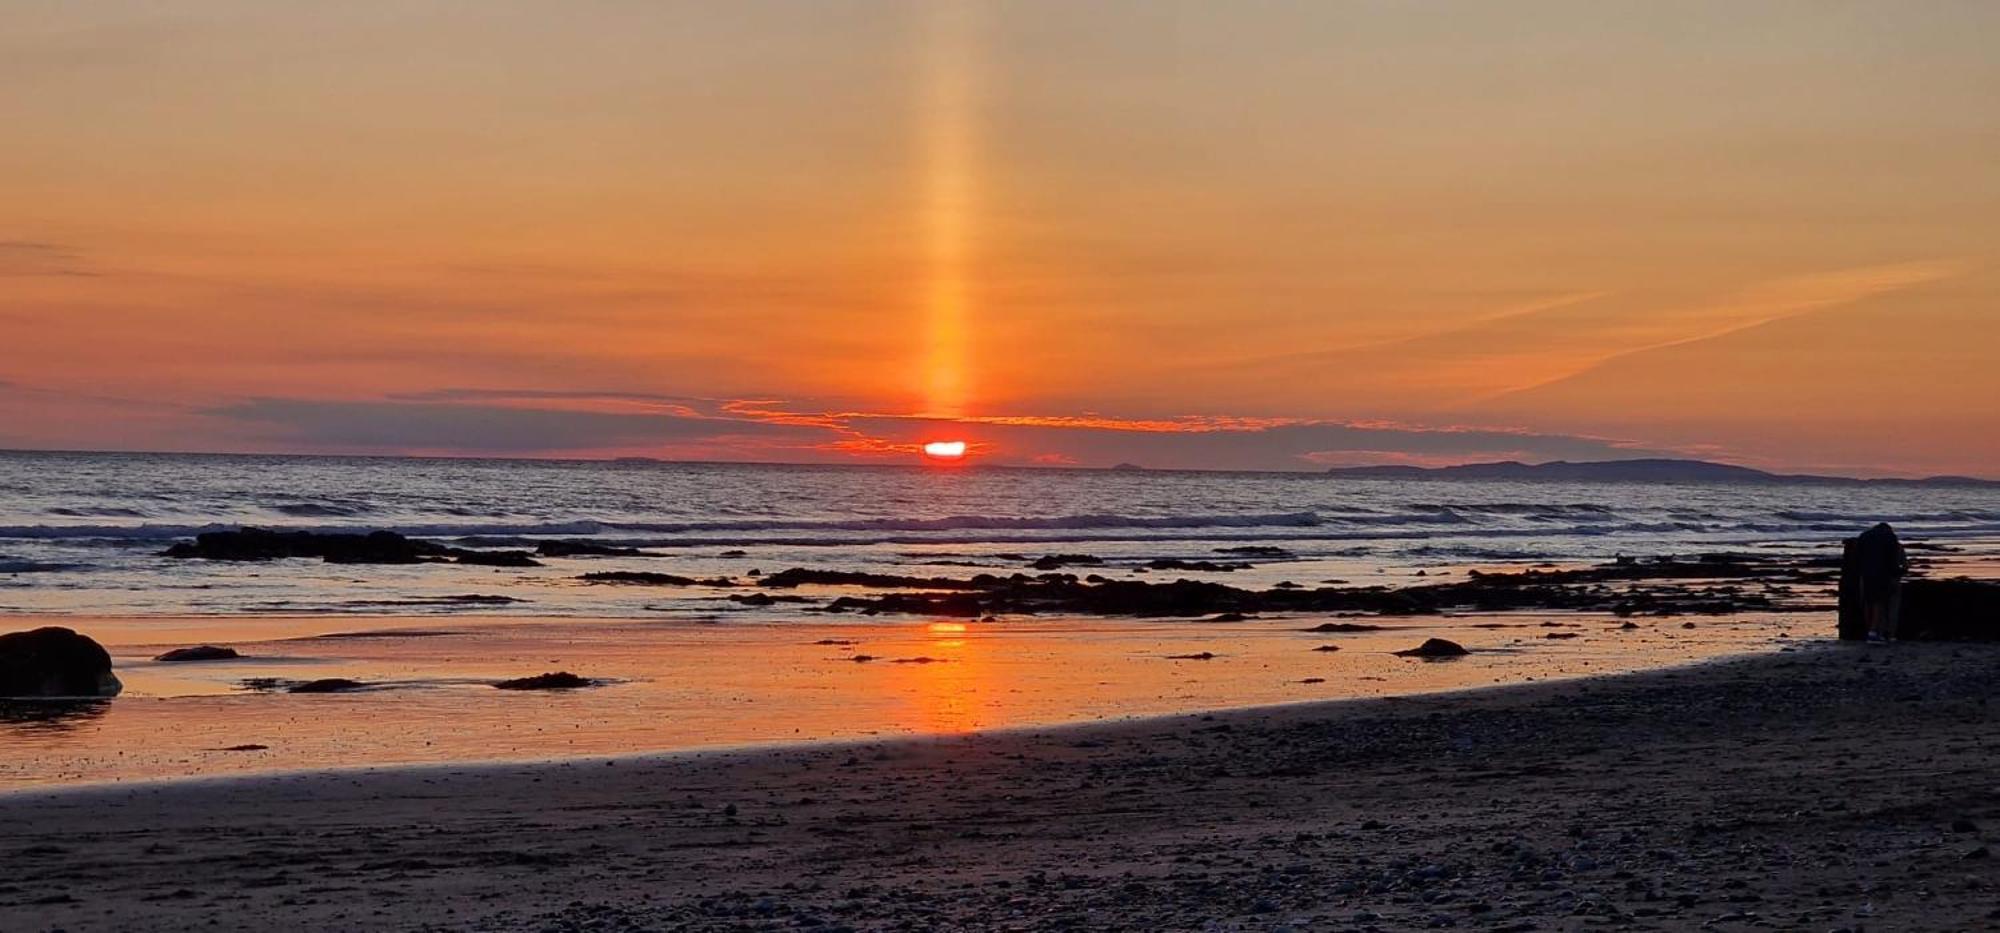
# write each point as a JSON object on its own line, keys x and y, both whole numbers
{"x": 558, "y": 680}
{"x": 1059, "y": 561}
{"x": 55, "y": 662}
{"x": 651, "y": 578}
{"x": 1434, "y": 648}
{"x": 1712, "y": 584}
{"x": 1950, "y": 610}
{"x": 375, "y": 547}
{"x": 326, "y": 685}
{"x": 199, "y": 653}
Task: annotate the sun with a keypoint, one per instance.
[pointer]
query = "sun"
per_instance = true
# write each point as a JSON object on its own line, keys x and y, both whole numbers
{"x": 945, "y": 450}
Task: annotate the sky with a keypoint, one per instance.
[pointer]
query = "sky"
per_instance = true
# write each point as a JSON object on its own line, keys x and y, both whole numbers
{"x": 1252, "y": 235}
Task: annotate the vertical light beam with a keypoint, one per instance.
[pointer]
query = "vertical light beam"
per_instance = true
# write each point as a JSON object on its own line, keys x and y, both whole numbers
{"x": 948, "y": 124}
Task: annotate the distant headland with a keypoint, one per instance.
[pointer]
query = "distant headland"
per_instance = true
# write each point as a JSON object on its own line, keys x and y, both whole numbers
{"x": 1645, "y": 470}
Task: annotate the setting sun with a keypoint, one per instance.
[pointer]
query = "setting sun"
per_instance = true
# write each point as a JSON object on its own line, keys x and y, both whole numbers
{"x": 945, "y": 450}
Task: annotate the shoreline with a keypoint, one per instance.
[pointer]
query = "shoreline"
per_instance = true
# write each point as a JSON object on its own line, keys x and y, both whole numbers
{"x": 1835, "y": 787}
{"x": 1332, "y": 708}
{"x": 676, "y": 685}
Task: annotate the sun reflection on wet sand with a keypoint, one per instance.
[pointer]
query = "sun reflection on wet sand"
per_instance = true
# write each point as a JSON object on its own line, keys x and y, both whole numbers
{"x": 680, "y": 685}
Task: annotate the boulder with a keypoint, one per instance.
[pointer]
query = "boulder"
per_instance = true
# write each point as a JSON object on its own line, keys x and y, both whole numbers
{"x": 326, "y": 685}
{"x": 199, "y": 653}
{"x": 55, "y": 662}
{"x": 379, "y": 547}
{"x": 1950, "y": 610}
{"x": 1059, "y": 561}
{"x": 559, "y": 680}
{"x": 375, "y": 547}
{"x": 1435, "y": 648}
{"x": 496, "y": 558}
{"x": 637, "y": 578}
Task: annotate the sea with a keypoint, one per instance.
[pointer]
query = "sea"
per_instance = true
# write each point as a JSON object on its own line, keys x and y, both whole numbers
{"x": 682, "y": 669}
{"x": 84, "y": 532}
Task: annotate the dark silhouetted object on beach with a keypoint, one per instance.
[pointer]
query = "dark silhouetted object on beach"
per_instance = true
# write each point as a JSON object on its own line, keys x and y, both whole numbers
{"x": 375, "y": 547}
{"x": 1950, "y": 610}
{"x": 55, "y": 662}
{"x": 1872, "y": 565}
{"x": 559, "y": 680}
{"x": 1434, "y": 648}
{"x": 199, "y": 653}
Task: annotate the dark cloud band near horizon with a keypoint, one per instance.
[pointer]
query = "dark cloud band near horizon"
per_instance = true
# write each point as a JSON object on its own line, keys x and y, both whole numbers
{"x": 493, "y": 422}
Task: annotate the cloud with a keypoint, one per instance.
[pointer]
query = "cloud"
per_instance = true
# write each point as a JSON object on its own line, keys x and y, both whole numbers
{"x": 535, "y": 422}
{"x": 1230, "y": 443}
{"x": 21, "y": 258}
{"x": 1440, "y": 372}
{"x": 396, "y": 426}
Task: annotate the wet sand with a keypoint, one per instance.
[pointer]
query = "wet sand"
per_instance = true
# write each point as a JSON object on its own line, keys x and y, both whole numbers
{"x": 1837, "y": 787}
{"x": 675, "y": 684}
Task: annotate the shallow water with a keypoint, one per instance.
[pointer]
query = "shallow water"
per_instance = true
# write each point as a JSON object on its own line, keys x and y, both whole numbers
{"x": 685, "y": 667}
{"x": 680, "y": 685}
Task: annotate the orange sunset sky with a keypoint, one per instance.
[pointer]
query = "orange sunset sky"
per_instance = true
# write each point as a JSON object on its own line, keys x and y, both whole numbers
{"x": 1240, "y": 235}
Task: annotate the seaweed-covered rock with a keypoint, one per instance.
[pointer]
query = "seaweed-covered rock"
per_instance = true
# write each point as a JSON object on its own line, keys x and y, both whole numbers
{"x": 199, "y": 653}
{"x": 558, "y": 680}
{"x": 495, "y": 558}
{"x": 1435, "y": 648}
{"x": 1059, "y": 561}
{"x": 55, "y": 662}
{"x": 326, "y": 685}
{"x": 375, "y": 547}
{"x": 638, "y": 578}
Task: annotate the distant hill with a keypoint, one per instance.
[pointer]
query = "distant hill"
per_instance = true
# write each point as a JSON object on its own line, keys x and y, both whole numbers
{"x": 1649, "y": 470}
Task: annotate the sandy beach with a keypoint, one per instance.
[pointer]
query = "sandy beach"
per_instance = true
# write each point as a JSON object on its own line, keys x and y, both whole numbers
{"x": 1832, "y": 787}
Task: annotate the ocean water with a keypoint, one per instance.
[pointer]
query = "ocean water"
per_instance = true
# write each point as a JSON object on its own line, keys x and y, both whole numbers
{"x": 81, "y": 533}
{"x": 686, "y": 668}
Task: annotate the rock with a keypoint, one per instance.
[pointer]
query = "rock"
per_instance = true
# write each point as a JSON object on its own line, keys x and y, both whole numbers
{"x": 637, "y": 578}
{"x": 1255, "y": 550}
{"x": 1950, "y": 610}
{"x": 375, "y": 547}
{"x": 55, "y": 662}
{"x": 1059, "y": 561}
{"x": 1199, "y": 566}
{"x": 379, "y": 547}
{"x": 496, "y": 558}
{"x": 1327, "y": 648}
{"x": 558, "y": 680}
{"x": 1200, "y": 656}
{"x": 800, "y": 576}
{"x": 326, "y": 685}
{"x": 1435, "y": 648}
{"x": 199, "y": 653}
{"x": 1227, "y": 617}
{"x": 1343, "y": 627}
